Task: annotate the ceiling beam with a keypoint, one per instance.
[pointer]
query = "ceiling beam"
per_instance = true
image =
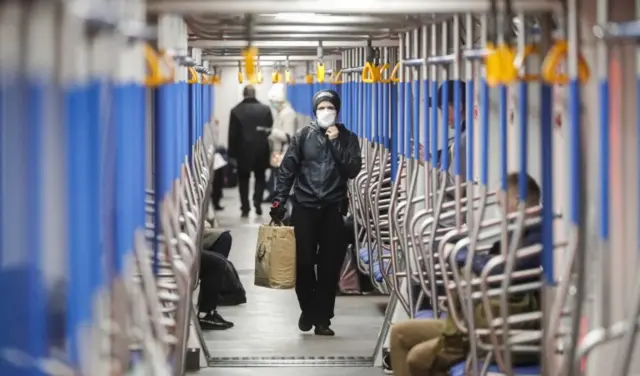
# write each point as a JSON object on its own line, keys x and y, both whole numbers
{"x": 328, "y": 20}
{"x": 293, "y": 29}
{"x": 344, "y": 7}
{"x": 218, "y": 35}
{"x": 236, "y": 58}
{"x": 205, "y": 43}
{"x": 291, "y": 19}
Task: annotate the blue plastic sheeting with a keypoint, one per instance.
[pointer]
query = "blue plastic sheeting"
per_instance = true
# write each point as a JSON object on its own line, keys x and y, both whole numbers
{"x": 364, "y": 254}
{"x": 458, "y": 370}
{"x": 377, "y": 271}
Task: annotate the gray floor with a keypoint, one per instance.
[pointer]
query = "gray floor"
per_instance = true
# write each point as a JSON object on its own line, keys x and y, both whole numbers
{"x": 267, "y": 325}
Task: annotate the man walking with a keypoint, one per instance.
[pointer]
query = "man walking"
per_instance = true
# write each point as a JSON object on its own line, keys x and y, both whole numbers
{"x": 249, "y": 125}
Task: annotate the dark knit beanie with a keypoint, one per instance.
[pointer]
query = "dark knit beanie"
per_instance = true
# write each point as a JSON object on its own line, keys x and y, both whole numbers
{"x": 326, "y": 96}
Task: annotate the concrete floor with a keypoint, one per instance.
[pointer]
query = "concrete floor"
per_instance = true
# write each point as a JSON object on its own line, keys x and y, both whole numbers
{"x": 266, "y": 326}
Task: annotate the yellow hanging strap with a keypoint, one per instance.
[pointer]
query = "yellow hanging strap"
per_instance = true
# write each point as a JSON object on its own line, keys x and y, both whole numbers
{"x": 556, "y": 56}
{"x": 499, "y": 64}
{"x": 384, "y": 68}
{"x": 255, "y": 79}
{"x": 320, "y": 73}
{"x": 250, "y": 54}
{"x": 336, "y": 77}
{"x": 370, "y": 73}
{"x": 520, "y": 62}
{"x": 493, "y": 64}
{"x": 393, "y": 78}
{"x": 259, "y": 77}
{"x": 154, "y": 76}
{"x": 308, "y": 79}
{"x": 193, "y": 76}
{"x": 276, "y": 77}
{"x": 288, "y": 78}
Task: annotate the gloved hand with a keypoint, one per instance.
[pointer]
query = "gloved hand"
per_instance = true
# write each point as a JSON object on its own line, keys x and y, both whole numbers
{"x": 277, "y": 211}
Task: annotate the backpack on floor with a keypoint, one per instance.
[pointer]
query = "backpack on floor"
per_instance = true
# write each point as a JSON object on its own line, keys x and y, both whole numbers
{"x": 230, "y": 176}
{"x": 349, "y": 283}
{"x": 232, "y": 291}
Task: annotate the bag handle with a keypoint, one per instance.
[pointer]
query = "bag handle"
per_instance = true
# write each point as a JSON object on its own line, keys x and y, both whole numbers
{"x": 274, "y": 223}
{"x": 262, "y": 251}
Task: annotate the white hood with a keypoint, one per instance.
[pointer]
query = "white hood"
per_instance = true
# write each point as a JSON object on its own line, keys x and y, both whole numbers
{"x": 277, "y": 93}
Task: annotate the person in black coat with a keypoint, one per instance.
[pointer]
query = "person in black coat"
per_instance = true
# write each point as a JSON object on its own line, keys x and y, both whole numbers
{"x": 249, "y": 125}
{"x": 320, "y": 160}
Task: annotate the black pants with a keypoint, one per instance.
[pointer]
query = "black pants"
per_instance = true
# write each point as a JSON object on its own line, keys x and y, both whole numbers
{"x": 218, "y": 184}
{"x": 212, "y": 267}
{"x": 258, "y": 189}
{"x": 320, "y": 252}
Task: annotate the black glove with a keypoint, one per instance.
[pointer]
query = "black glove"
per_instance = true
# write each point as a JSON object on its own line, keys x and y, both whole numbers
{"x": 277, "y": 212}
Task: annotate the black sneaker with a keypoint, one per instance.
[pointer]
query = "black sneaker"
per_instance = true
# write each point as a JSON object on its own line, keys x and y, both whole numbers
{"x": 218, "y": 207}
{"x": 213, "y": 321}
{"x": 258, "y": 210}
{"x": 324, "y": 330}
{"x": 303, "y": 324}
{"x": 245, "y": 214}
{"x": 386, "y": 362}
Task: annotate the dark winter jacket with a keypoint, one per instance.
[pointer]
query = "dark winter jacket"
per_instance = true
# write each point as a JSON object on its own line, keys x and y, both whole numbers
{"x": 318, "y": 168}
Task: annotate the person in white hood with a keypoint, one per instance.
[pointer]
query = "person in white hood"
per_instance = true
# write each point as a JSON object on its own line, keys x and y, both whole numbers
{"x": 284, "y": 126}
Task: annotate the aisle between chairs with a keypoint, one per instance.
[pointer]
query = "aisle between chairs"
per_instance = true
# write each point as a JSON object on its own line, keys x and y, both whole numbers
{"x": 266, "y": 326}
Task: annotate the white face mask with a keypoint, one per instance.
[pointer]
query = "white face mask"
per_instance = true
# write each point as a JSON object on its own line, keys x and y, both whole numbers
{"x": 326, "y": 118}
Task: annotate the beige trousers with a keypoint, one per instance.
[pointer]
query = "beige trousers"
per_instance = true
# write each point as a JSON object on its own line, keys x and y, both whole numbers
{"x": 413, "y": 346}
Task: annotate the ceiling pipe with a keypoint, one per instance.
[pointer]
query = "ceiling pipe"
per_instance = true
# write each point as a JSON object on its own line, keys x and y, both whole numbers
{"x": 288, "y": 43}
{"x": 303, "y": 37}
{"x": 371, "y": 7}
{"x": 227, "y": 64}
{"x": 269, "y": 58}
{"x": 240, "y": 33}
{"x": 319, "y": 19}
{"x": 266, "y": 53}
{"x": 296, "y": 29}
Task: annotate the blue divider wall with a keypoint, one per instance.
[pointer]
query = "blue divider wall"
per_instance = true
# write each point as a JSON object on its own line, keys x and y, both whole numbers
{"x": 300, "y": 95}
{"x": 101, "y": 168}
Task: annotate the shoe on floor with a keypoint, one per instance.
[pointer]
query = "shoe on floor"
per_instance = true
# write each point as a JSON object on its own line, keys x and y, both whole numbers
{"x": 324, "y": 330}
{"x": 386, "y": 362}
{"x": 258, "y": 210}
{"x": 213, "y": 321}
{"x": 245, "y": 214}
{"x": 303, "y": 324}
{"x": 218, "y": 207}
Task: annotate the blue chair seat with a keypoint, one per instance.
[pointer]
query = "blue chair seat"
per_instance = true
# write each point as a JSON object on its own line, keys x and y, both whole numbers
{"x": 364, "y": 254}
{"x": 424, "y": 314}
{"x": 428, "y": 314}
{"x": 522, "y": 370}
{"x": 458, "y": 370}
